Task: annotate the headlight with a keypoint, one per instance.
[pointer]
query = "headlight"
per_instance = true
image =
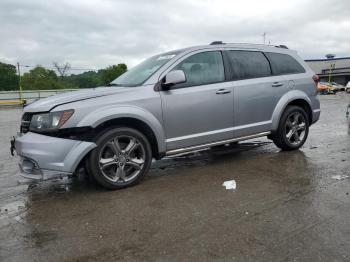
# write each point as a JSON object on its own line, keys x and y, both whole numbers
{"x": 49, "y": 121}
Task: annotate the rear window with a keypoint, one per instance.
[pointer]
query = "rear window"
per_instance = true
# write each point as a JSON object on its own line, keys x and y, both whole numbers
{"x": 283, "y": 64}
{"x": 248, "y": 64}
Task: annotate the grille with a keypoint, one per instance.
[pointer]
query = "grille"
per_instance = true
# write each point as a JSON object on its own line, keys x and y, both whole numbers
{"x": 26, "y": 118}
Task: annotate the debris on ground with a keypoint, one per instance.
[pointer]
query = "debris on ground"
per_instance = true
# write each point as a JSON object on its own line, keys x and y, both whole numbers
{"x": 231, "y": 184}
{"x": 340, "y": 177}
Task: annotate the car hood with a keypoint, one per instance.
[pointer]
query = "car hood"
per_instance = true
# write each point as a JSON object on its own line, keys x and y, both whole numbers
{"x": 46, "y": 104}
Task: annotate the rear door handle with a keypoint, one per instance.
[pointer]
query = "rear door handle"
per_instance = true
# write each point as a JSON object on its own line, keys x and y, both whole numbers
{"x": 276, "y": 84}
{"x": 223, "y": 91}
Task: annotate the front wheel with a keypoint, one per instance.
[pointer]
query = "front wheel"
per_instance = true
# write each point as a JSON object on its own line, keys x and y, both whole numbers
{"x": 292, "y": 130}
{"x": 121, "y": 159}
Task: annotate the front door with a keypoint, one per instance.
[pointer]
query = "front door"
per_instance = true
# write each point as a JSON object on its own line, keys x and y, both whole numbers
{"x": 200, "y": 110}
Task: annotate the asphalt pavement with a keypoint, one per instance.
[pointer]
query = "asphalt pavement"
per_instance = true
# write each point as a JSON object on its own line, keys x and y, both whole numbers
{"x": 287, "y": 206}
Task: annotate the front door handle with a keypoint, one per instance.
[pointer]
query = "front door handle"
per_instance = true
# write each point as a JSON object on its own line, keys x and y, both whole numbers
{"x": 277, "y": 84}
{"x": 223, "y": 91}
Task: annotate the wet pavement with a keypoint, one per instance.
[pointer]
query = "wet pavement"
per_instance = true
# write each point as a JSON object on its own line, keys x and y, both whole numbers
{"x": 288, "y": 206}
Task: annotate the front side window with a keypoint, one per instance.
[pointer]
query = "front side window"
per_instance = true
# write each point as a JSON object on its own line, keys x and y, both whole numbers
{"x": 248, "y": 64}
{"x": 284, "y": 64}
{"x": 202, "y": 69}
{"x": 140, "y": 73}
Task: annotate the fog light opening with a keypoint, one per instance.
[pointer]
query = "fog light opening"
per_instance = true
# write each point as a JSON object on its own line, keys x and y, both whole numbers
{"x": 30, "y": 167}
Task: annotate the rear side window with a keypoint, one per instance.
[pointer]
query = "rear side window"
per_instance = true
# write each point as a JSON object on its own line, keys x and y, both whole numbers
{"x": 283, "y": 64}
{"x": 248, "y": 64}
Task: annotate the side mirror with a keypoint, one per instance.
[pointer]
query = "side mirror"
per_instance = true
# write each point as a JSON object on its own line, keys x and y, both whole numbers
{"x": 173, "y": 78}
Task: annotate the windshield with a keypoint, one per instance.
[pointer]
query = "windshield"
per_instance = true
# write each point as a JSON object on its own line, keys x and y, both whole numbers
{"x": 140, "y": 73}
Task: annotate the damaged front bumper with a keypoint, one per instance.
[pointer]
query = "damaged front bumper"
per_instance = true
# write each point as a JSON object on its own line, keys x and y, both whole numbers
{"x": 45, "y": 157}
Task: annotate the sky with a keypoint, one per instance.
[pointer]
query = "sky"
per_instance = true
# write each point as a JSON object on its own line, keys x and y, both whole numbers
{"x": 93, "y": 34}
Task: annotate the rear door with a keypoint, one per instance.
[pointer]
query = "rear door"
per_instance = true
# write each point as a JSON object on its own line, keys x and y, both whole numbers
{"x": 200, "y": 110}
{"x": 256, "y": 91}
{"x": 291, "y": 70}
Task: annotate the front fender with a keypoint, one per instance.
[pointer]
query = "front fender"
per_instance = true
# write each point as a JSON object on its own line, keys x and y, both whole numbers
{"x": 103, "y": 114}
{"x": 283, "y": 102}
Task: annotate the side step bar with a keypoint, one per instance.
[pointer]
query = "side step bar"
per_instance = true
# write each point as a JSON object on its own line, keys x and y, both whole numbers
{"x": 204, "y": 146}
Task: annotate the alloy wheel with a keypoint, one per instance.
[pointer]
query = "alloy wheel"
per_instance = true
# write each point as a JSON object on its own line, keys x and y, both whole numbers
{"x": 121, "y": 159}
{"x": 295, "y": 128}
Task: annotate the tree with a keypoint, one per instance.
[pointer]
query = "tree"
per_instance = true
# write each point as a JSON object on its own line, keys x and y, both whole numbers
{"x": 88, "y": 79}
{"x": 110, "y": 73}
{"x": 40, "y": 78}
{"x": 62, "y": 69}
{"x": 8, "y": 77}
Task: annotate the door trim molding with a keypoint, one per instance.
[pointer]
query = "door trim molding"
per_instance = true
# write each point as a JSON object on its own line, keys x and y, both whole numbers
{"x": 174, "y": 139}
{"x": 203, "y": 146}
{"x": 179, "y": 138}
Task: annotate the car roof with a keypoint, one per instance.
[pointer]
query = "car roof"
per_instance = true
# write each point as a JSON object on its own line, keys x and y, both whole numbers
{"x": 245, "y": 46}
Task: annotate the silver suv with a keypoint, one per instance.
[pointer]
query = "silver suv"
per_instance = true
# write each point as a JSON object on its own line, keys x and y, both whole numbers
{"x": 175, "y": 102}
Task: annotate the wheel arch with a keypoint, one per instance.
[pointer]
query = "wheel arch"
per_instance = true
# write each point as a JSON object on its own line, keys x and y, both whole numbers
{"x": 129, "y": 116}
{"x": 296, "y": 98}
{"x": 136, "y": 124}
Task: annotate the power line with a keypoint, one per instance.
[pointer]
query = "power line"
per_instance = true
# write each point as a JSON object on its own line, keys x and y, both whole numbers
{"x": 53, "y": 68}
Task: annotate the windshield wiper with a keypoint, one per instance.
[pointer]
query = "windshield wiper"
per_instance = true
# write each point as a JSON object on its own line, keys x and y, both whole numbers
{"x": 112, "y": 84}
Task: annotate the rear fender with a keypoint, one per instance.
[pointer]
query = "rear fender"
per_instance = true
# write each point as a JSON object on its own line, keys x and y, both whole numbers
{"x": 283, "y": 103}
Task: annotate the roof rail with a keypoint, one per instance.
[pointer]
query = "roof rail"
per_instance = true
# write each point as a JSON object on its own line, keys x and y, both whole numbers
{"x": 281, "y": 46}
{"x": 222, "y": 43}
{"x": 217, "y": 43}
{"x": 247, "y": 44}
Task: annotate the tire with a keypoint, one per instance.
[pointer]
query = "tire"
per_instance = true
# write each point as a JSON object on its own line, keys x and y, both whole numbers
{"x": 121, "y": 159}
{"x": 293, "y": 129}
{"x": 348, "y": 90}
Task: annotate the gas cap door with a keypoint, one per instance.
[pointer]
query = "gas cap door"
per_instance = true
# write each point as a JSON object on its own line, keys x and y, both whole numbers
{"x": 291, "y": 84}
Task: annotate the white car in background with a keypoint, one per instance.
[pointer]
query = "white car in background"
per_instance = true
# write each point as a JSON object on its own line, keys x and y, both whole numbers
{"x": 337, "y": 87}
{"x": 347, "y": 87}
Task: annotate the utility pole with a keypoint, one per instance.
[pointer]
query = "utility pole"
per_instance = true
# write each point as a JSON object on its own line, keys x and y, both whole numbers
{"x": 332, "y": 65}
{"x": 20, "y": 84}
{"x": 264, "y": 37}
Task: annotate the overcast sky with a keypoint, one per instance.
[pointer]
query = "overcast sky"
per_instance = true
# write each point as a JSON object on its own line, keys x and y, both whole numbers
{"x": 98, "y": 33}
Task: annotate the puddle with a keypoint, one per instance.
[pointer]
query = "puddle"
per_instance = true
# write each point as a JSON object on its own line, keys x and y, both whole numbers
{"x": 13, "y": 209}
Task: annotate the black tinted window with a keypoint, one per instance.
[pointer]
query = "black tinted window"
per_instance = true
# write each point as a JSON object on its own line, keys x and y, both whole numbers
{"x": 248, "y": 64}
{"x": 284, "y": 64}
{"x": 202, "y": 68}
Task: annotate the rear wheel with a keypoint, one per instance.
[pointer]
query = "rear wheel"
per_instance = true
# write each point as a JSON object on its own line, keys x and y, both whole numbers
{"x": 293, "y": 129}
{"x": 121, "y": 159}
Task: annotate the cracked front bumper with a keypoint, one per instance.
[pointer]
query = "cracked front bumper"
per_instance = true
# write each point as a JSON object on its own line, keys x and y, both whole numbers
{"x": 45, "y": 157}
